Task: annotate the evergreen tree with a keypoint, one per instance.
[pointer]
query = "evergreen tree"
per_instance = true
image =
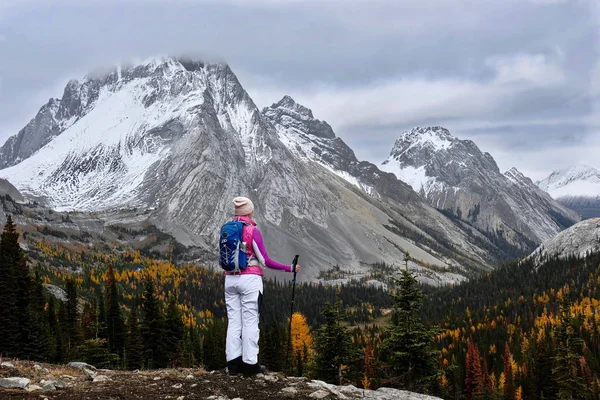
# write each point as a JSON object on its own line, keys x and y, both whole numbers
{"x": 133, "y": 342}
{"x": 56, "y": 343}
{"x": 152, "y": 329}
{"x": 37, "y": 345}
{"x": 114, "y": 319}
{"x": 474, "y": 383}
{"x": 213, "y": 345}
{"x": 333, "y": 347}
{"x": 62, "y": 347}
{"x": 568, "y": 354}
{"x": 101, "y": 328}
{"x": 409, "y": 345}
{"x": 88, "y": 320}
{"x": 96, "y": 352}
{"x": 72, "y": 322}
{"x": 9, "y": 256}
{"x": 192, "y": 347}
{"x": 509, "y": 386}
{"x": 174, "y": 332}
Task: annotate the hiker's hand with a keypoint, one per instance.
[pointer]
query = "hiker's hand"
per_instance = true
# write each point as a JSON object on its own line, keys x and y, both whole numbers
{"x": 297, "y": 268}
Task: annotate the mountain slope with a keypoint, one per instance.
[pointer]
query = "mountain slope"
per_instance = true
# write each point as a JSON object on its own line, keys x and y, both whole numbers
{"x": 179, "y": 139}
{"x": 454, "y": 175}
{"x": 577, "y": 188}
{"x": 578, "y": 240}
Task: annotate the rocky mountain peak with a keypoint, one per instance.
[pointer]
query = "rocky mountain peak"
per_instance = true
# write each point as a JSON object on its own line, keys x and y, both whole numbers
{"x": 517, "y": 177}
{"x": 580, "y": 179}
{"x": 291, "y": 115}
{"x": 456, "y": 176}
{"x": 577, "y": 187}
{"x": 429, "y": 138}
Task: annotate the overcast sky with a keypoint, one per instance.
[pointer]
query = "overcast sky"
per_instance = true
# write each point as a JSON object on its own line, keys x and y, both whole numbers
{"x": 519, "y": 77}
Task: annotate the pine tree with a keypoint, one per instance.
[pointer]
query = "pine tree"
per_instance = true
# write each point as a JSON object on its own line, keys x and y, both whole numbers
{"x": 56, "y": 343}
{"x": 72, "y": 322}
{"x": 152, "y": 329}
{"x": 37, "y": 345}
{"x": 567, "y": 359}
{"x": 333, "y": 347}
{"x": 409, "y": 345}
{"x": 509, "y": 386}
{"x": 133, "y": 342}
{"x": 16, "y": 294}
{"x": 174, "y": 332}
{"x": 62, "y": 339}
{"x": 9, "y": 255}
{"x": 474, "y": 384}
{"x": 88, "y": 320}
{"x": 101, "y": 328}
{"x": 114, "y": 319}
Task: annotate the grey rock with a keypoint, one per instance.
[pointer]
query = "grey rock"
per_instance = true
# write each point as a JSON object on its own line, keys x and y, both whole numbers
{"x": 290, "y": 390}
{"x": 578, "y": 240}
{"x": 101, "y": 378}
{"x": 319, "y": 394}
{"x": 33, "y": 388}
{"x": 59, "y": 293}
{"x": 14, "y": 383}
{"x": 60, "y": 384}
{"x": 37, "y": 366}
{"x": 6, "y": 188}
{"x": 81, "y": 365}
{"x": 177, "y": 386}
{"x": 7, "y": 364}
{"x": 89, "y": 375}
{"x": 48, "y": 387}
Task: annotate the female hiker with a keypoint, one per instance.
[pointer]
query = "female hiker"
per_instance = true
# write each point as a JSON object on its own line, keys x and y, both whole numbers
{"x": 243, "y": 294}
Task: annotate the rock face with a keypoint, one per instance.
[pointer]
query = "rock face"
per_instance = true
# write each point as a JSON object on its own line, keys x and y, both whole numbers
{"x": 455, "y": 176}
{"x": 578, "y": 240}
{"x": 181, "y": 138}
{"x": 6, "y": 188}
{"x": 577, "y": 188}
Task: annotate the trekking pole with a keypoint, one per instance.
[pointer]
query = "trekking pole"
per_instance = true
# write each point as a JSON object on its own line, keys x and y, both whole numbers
{"x": 287, "y": 357}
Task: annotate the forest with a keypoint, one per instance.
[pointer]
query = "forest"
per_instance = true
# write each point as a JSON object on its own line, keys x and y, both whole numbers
{"x": 523, "y": 331}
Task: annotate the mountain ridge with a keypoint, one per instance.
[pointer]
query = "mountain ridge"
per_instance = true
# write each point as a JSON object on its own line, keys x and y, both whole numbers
{"x": 180, "y": 139}
{"x": 577, "y": 187}
{"x": 456, "y": 176}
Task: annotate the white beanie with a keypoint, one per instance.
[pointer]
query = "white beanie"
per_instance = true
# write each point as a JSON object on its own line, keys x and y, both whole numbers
{"x": 243, "y": 206}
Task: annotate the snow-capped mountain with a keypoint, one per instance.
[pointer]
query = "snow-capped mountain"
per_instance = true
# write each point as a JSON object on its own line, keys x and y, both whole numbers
{"x": 179, "y": 139}
{"x": 455, "y": 176}
{"x": 577, "y": 188}
{"x": 577, "y": 240}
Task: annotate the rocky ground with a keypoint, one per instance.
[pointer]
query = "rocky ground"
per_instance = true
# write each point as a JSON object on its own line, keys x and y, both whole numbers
{"x": 29, "y": 380}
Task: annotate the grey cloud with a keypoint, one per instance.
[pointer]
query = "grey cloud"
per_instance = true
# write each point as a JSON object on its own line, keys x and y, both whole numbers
{"x": 371, "y": 68}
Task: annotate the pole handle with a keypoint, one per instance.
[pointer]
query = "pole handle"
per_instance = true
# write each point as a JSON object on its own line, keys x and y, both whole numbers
{"x": 294, "y": 263}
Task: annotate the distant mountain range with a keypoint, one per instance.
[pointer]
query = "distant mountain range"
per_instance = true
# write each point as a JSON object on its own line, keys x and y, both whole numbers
{"x": 172, "y": 141}
{"x": 577, "y": 188}
{"x": 453, "y": 175}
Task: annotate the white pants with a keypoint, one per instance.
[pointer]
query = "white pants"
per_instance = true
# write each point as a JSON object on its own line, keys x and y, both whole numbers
{"x": 243, "y": 294}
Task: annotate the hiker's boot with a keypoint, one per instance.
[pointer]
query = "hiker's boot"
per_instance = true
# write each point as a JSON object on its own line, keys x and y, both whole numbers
{"x": 235, "y": 366}
{"x": 251, "y": 369}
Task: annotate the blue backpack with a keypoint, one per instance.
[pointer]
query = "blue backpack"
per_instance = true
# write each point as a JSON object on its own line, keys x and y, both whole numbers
{"x": 232, "y": 248}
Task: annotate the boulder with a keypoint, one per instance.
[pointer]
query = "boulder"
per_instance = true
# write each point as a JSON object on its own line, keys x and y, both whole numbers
{"x": 81, "y": 365}
{"x": 14, "y": 383}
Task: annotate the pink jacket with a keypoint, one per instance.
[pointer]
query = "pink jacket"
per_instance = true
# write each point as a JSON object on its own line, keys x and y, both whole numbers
{"x": 257, "y": 251}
